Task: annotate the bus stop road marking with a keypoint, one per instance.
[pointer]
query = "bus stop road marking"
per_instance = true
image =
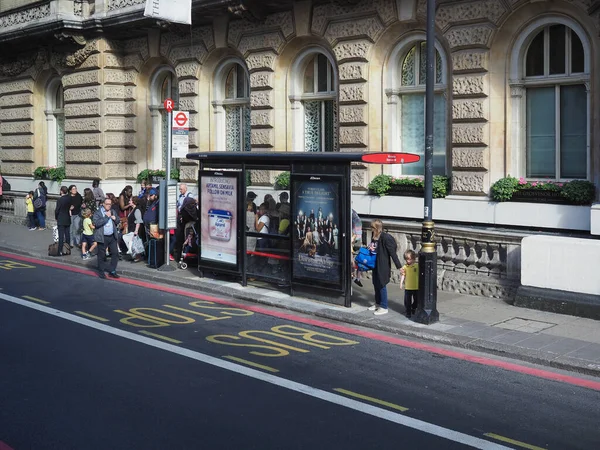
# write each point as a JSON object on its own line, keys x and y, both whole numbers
{"x": 160, "y": 336}
{"x": 91, "y": 316}
{"x": 371, "y": 399}
{"x": 250, "y": 363}
{"x": 430, "y": 348}
{"x": 35, "y": 299}
{"x": 336, "y": 399}
{"x": 513, "y": 442}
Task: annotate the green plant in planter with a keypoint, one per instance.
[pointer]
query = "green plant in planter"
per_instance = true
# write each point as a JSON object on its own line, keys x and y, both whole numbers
{"x": 53, "y": 173}
{"x": 381, "y": 184}
{"x": 146, "y": 174}
{"x": 282, "y": 181}
{"x": 503, "y": 189}
{"x": 579, "y": 192}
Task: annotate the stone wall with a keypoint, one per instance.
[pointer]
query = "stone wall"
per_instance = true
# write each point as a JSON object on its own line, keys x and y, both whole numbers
{"x": 106, "y": 83}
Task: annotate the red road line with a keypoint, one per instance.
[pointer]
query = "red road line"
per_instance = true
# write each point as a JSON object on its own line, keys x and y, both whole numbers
{"x": 539, "y": 373}
{"x": 3, "y": 446}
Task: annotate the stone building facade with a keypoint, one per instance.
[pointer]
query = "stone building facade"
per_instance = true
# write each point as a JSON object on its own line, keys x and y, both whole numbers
{"x": 83, "y": 86}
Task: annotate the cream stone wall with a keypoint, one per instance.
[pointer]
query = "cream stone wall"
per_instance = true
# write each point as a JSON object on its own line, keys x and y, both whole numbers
{"x": 106, "y": 83}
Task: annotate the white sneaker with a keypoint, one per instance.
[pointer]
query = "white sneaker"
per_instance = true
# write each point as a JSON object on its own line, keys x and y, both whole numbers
{"x": 373, "y": 308}
{"x": 381, "y": 311}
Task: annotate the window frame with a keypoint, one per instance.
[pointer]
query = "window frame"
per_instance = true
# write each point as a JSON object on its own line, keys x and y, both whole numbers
{"x": 55, "y": 123}
{"x": 297, "y": 97}
{"x": 519, "y": 82}
{"x": 221, "y": 102}
{"x": 395, "y": 90}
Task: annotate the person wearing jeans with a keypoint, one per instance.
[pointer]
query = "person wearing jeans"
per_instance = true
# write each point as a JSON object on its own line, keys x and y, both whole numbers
{"x": 106, "y": 234}
{"x": 40, "y": 212}
{"x": 384, "y": 245}
{"x": 76, "y": 202}
{"x": 62, "y": 214}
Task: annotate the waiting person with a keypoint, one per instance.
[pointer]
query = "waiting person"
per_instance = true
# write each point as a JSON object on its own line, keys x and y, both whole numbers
{"x": 98, "y": 193}
{"x": 88, "y": 244}
{"x": 410, "y": 281}
{"x": 89, "y": 201}
{"x": 106, "y": 235}
{"x": 30, "y": 211}
{"x": 384, "y": 245}
{"x": 125, "y": 206}
{"x": 40, "y": 193}
{"x": 62, "y": 214}
{"x": 76, "y": 202}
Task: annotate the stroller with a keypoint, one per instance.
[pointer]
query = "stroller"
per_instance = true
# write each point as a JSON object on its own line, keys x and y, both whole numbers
{"x": 190, "y": 245}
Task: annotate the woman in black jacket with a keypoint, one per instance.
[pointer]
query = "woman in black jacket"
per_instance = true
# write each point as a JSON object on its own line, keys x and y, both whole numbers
{"x": 385, "y": 246}
{"x": 62, "y": 214}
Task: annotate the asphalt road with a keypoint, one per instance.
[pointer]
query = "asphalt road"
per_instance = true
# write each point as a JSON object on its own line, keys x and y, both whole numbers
{"x": 95, "y": 364}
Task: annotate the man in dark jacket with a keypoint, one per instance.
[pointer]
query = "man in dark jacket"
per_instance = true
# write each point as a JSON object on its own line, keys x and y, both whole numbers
{"x": 385, "y": 247}
{"x": 106, "y": 234}
{"x": 62, "y": 214}
{"x": 76, "y": 202}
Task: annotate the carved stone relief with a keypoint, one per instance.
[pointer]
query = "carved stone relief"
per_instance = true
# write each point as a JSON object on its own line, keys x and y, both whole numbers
{"x": 16, "y": 127}
{"x": 197, "y": 53}
{"x": 118, "y": 92}
{"x": 188, "y": 104}
{"x": 469, "y": 85}
{"x": 188, "y": 87}
{"x": 261, "y": 99}
{"x": 119, "y": 139}
{"x": 15, "y": 155}
{"x": 187, "y": 70}
{"x": 470, "y": 158}
{"x": 369, "y": 27}
{"x": 262, "y": 41}
{"x": 470, "y": 60}
{"x": 119, "y": 124}
{"x": 79, "y": 125}
{"x": 469, "y": 134}
{"x": 18, "y": 86}
{"x": 90, "y": 140}
{"x": 262, "y": 138}
{"x": 260, "y": 80}
{"x": 355, "y": 136}
{"x": 82, "y": 94}
{"x": 480, "y": 10}
{"x": 468, "y": 36}
{"x": 475, "y": 109}
{"x": 118, "y": 4}
{"x": 352, "y": 92}
{"x": 82, "y": 109}
{"x": 16, "y": 114}
{"x": 468, "y": 182}
{"x": 264, "y": 61}
{"x": 77, "y": 58}
{"x": 353, "y": 71}
{"x": 81, "y": 79}
{"x": 261, "y": 118}
{"x": 385, "y": 9}
{"x": 24, "y": 16}
{"x": 283, "y": 22}
{"x": 354, "y": 114}
{"x": 119, "y": 108}
{"x": 352, "y": 50}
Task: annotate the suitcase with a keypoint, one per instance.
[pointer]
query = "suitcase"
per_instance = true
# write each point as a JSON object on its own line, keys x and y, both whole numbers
{"x": 53, "y": 249}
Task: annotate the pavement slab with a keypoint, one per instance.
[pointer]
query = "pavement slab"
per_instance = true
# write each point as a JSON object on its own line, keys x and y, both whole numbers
{"x": 478, "y": 323}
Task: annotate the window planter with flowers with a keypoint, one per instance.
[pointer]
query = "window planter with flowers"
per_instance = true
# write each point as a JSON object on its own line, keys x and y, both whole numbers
{"x": 408, "y": 186}
{"x": 154, "y": 176}
{"x": 49, "y": 173}
{"x": 576, "y": 192}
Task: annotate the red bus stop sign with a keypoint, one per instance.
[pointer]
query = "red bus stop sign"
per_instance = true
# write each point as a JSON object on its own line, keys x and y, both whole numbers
{"x": 390, "y": 158}
{"x": 168, "y": 104}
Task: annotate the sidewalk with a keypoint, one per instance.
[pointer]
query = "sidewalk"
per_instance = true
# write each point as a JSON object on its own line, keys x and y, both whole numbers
{"x": 469, "y": 322}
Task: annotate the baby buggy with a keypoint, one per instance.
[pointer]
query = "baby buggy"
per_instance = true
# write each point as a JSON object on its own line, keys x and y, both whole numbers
{"x": 190, "y": 245}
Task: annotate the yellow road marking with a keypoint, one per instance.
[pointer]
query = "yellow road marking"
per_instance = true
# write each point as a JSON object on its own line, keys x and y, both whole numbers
{"x": 250, "y": 363}
{"x": 33, "y": 299}
{"x": 512, "y": 441}
{"x": 160, "y": 336}
{"x": 371, "y": 399}
{"x": 91, "y": 316}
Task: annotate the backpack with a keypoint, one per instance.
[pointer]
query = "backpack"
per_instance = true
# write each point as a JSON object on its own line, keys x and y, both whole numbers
{"x": 365, "y": 260}
{"x": 53, "y": 249}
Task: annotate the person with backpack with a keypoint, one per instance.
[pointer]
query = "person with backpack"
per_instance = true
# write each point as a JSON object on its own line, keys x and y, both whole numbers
{"x": 40, "y": 197}
{"x": 384, "y": 245}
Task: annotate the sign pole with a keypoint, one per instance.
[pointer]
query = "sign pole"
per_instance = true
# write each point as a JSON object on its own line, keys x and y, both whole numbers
{"x": 427, "y": 312}
{"x": 166, "y": 267}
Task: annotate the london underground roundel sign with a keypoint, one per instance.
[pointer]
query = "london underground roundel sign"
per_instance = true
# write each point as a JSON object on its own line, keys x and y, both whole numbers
{"x": 390, "y": 158}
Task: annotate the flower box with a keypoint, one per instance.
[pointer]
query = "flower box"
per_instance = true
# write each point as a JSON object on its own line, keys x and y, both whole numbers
{"x": 538, "y": 196}
{"x": 406, "y": 190}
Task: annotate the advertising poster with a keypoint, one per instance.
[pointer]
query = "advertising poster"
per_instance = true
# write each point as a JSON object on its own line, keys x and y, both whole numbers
{"x": 316, "y": 236}
{"x": 218, "y": 219}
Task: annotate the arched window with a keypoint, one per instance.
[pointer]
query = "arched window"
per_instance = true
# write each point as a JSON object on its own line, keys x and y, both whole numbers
{"x": 411, "y": 92}
{"x": 55, "y": 120}
{"x": 164, "y": 85}
{"x": 232, "y": 107}
{"x": 556, "y": 105}
{"x": 550, "y": 100}
{"x": 314, "y": 103}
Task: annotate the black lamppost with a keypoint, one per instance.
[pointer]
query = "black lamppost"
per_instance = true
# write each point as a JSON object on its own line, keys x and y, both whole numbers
{"x": 427, "y": 303}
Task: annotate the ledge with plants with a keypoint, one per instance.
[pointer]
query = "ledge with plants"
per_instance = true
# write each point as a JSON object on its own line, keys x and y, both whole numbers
{"x": 156, "y": 175}
{"x": 282, "y": 181}
{"x": 576, "y": 192}
{"x": 408, "y": 186}
{"x": 53, "y": 173}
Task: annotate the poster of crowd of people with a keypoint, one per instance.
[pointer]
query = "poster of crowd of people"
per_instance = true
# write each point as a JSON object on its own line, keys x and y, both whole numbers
{"x": 316, "y": 233}
{"x": 218, "y": 221}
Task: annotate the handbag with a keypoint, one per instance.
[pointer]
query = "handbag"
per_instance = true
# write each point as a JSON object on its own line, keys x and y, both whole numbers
{"x": 365, "y": 259}
{"x": 38, "y": 203}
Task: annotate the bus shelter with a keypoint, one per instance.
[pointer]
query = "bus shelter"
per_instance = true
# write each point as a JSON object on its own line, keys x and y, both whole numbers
{"x": 298, "y": 240}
